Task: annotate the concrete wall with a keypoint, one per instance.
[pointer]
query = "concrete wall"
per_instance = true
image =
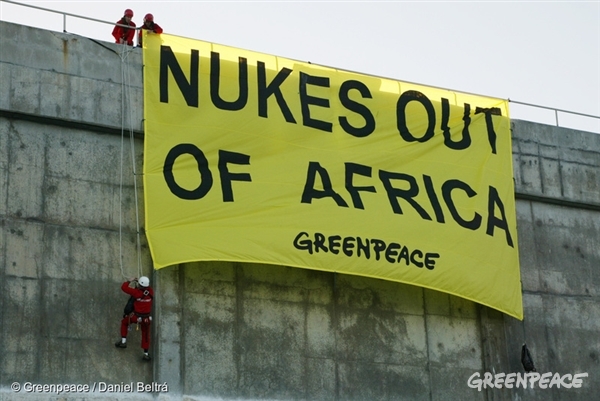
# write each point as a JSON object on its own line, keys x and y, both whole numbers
{"x": 60, "y": 155}
{"x": 243, "y": 331}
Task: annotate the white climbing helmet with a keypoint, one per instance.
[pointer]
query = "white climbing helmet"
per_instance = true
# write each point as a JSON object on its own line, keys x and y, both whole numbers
{"x": 144, "y": 281}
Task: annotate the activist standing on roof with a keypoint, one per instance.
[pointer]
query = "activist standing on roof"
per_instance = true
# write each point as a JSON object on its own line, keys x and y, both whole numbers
{"x": 142, "y": 306}
{"x": 150, "y": 26}
{"x": 124, "y": 35}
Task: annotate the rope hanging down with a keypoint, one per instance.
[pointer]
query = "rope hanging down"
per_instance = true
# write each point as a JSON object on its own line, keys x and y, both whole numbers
{"x": 126, "y": 100}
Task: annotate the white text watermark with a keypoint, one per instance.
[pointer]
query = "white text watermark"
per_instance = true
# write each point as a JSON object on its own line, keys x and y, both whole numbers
{"x": 523, "y": 380}
{"x": 100, "y": 387}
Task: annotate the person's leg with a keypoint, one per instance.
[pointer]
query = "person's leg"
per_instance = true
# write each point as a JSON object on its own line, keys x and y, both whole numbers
{"x": 124, "y": 328}
{"x": 146, "y": 337}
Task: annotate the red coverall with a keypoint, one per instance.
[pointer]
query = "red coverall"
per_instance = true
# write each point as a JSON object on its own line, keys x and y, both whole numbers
{"x": 153, "y": 27}
{"x": 126, "y": 34}
{"x": 142, "y": 306}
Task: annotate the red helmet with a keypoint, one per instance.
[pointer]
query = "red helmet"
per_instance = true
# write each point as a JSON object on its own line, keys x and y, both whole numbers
{"x": 149, "y": 17}
{"x": 128, "y": 13}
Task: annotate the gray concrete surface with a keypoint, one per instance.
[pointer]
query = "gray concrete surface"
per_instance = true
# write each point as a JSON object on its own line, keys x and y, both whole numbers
{"x": 243, "y": 331}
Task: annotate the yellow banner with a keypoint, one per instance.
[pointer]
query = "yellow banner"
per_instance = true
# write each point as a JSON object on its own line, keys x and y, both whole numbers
{"x": 254, "y": 158}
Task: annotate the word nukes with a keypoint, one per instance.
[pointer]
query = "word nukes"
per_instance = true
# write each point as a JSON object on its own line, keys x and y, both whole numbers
{"x": 353, "y": 96}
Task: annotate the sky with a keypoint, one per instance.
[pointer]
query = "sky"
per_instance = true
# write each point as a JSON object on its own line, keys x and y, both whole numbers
{"x": 545, "y": 53}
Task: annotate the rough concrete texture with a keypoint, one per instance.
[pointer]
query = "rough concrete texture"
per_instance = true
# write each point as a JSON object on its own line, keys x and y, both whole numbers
{"x": 245, "y": 331}
{"x": 556, "y": 163}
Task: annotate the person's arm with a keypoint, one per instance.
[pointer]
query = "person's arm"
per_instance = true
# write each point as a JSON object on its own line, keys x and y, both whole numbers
{"x": 157, "y": 29}
{"x": 128, "y": 290}
{"x": 116, "y": 33}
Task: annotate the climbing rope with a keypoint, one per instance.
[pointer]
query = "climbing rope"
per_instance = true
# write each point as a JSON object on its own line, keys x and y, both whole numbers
{"x": 127, "y": 100}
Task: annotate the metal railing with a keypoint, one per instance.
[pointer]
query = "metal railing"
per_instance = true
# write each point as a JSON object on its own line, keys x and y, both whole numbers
{"x": 65, "y": 14}
{"x": 556, "y": 111}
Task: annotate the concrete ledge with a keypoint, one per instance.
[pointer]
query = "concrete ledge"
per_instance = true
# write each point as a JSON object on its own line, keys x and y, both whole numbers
{"x": 556, "y": 165}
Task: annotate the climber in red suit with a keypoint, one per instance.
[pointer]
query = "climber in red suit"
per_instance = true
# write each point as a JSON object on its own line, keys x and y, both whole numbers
{"x": 143, "y": 295}
{"x": 124, "y": 35}
{"x": 149, "y": 26}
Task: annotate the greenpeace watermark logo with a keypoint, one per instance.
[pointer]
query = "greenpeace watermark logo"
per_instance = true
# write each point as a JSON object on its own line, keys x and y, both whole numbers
{"x": 523, "y": 380}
